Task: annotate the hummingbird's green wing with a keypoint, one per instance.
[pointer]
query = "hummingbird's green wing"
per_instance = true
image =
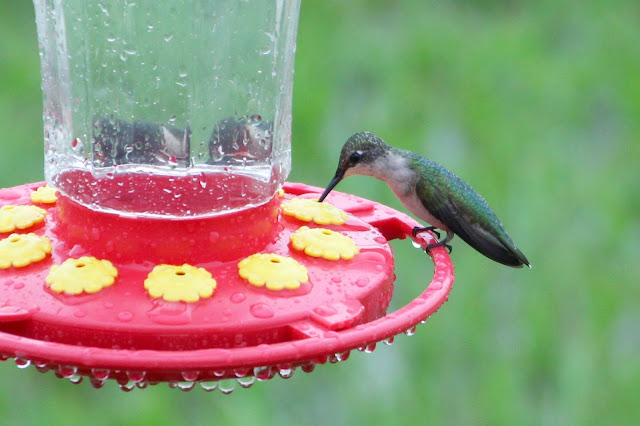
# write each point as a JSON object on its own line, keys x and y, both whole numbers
{"x": 454, "y": 203}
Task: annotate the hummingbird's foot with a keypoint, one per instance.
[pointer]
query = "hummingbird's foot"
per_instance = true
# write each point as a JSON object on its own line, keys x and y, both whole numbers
{"x": 418, "y": 229}
{"x": 438, "y": 244}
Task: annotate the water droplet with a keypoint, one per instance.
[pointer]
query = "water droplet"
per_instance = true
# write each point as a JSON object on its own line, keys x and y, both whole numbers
{"x": 76, "y": 379}
{"x": 263, "y": 373}
{"x": 336, "y": 279}
{"x": 416, "y": 244}
{"x": 227, "y": 386}
{"x": 190, "y": 376}
{"x": 22, "y": 362}
{"x": 237, "y": 297}
{"x": 127, "y": 387}
{"x": 411, "y": 331}
{"x": 286, "y": 371}
{"x": 79, "y": 313}
{"x": 124, "y": 316}
{"x": 362, "y": 282}
{"x": 370, "y": 348}
{"x": 325, "y": 311}
{"x": 101, "y": 374}
{"x": 246, "y": 382}
{"x": 308, "y": 368}
{"x": 185, "y": 386}
{"x": 342, "y": 356}
{"x": 261, "y": 310}
{"x": 219, "y": 373}
{"x": 168, "y": 37}
{"x": 209, "y": 386}
{"x": 67, "y": 371}
{"x": 241, "y": 372}
{"x": 389, "y": 341}
{"x": 97, "y": 384}
{"x": 136, "y": 376}
{"x": 41, "y": 366}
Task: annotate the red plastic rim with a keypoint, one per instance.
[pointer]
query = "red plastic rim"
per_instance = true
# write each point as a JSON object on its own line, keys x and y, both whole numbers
{"x": 261, "y": 360}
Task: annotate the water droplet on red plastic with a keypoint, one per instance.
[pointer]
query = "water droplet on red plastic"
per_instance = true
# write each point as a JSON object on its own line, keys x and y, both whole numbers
{"x": 308, "y": 368}
{"x": 100, "y": 374}
{"x": 190, "y": 376}
{"x": 362, "y": 282}
{"x": 261, "y": 310}
{"x": 389, "y": 341}
{"x": 246, "y": 382}
{"x": 67, "y": 371}
{"x": 343, "y": 356}
{"x": 285, "y": 371}
{"x": 125, "y": 316}
{"x": 336, "y": 279}
{"x": 186, "y": 386}
{"x": 411, "y": 331}
{"x": 136, "y": 376}
{"x": 237, "y": 297}
{"x": 22, "y": 362}
{"x": 380, "y": 240}
{"x": 209, "y": 386}
{"x": 325, "y": 311}
{"x": 263, "y": 373}
{"x": 226, "y": 386}
{"x": 80, "y": 313}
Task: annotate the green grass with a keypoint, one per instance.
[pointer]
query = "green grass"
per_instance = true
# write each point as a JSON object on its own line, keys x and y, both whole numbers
{"x": 537, "y": 105}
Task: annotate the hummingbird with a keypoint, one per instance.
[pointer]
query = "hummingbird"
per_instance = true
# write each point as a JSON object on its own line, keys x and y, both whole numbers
{"x": 432, "y": 193}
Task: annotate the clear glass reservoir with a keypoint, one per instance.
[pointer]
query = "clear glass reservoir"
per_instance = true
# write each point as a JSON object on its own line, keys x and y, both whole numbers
{"x": 178, "y": 108}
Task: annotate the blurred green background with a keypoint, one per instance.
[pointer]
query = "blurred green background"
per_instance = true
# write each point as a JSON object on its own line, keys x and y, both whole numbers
{"x": 537, "y": 105}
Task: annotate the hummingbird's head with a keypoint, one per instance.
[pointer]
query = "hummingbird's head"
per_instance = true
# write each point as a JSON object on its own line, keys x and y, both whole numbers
{"x": 358, "y": 157}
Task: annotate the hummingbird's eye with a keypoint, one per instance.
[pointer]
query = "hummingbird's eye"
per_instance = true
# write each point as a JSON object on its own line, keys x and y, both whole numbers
{"x": 355, "y": 157}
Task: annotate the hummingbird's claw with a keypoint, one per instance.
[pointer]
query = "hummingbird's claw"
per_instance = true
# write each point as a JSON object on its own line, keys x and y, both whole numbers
{"x": 438, "y": 244}
{"x": 418, "y": 229}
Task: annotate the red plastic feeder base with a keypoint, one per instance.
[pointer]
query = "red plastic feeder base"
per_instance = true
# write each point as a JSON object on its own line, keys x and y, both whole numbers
{"x": 242, "y": 332}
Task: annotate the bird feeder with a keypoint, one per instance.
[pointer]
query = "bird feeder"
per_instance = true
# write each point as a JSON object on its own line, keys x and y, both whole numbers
{"x": 166, "y": 245}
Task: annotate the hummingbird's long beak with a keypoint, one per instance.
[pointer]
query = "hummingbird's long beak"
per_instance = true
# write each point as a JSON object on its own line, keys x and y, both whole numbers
{"x": 336, "y": 179}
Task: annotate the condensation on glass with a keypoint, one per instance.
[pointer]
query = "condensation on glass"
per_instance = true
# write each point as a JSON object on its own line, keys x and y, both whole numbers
{"x": 167, "y": 108}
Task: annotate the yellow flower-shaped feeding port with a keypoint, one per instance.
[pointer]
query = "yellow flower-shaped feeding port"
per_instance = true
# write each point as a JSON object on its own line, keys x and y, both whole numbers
{"x": 184, "y": 283}
{"x": 324, "y": 243}
{"x": 86, "y": 274}
{"x": 272, "y": 271}
{"x": 20, "y": 250}
{"x": 309, "y": 210}
{"x": 20, "y": 217}
{"x": 45, "y": 195}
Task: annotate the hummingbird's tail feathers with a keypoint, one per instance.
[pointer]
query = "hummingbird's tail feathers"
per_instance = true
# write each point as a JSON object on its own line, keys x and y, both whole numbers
{"x": 499, "y": 249}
